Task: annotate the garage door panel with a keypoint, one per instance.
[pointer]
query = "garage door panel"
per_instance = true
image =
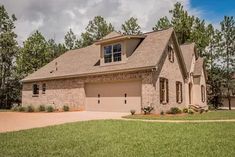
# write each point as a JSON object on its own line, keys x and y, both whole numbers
{"x": 111, "y": 96}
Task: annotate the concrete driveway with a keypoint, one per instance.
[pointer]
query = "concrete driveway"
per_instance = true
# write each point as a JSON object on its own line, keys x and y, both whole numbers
{"x": 14, "y": 121}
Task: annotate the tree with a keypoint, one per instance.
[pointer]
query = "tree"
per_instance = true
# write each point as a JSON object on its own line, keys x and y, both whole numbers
{"x": 34, "y": 54}
{"x": 8, "y": 51}
{"x": 54, "y": 49}
{"x": 228, "y": 53}
{"x": 70, "y": 39}
{"x": 215, "y": 73}
{"x": 162, "y": 23}
{"x": 95, "y": 30}
{"x": 199, "y": 35}
{"x": 131, "y": 27}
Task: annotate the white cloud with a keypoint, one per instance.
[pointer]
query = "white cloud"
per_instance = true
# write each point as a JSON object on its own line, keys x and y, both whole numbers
{"x": 53, "y": 18}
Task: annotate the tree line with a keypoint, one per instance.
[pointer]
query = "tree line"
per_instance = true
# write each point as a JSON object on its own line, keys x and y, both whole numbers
{"x": 217, "y": 46}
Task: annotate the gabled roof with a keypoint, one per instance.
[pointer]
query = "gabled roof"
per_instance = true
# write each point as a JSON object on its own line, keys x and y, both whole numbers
{"x": 112, "y": 35}
{"x": 188, "y": 51}
{"x": 115, "y": 36}
{"x": 199, "y": 66}
{"x": 85, "y": 61}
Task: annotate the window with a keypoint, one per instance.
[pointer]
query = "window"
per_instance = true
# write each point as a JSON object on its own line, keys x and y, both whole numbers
{"x": 170, "y": 53}
{"x": 179, "y": 93}
{"x": 112, "y": 53}
{"x": 203, "y": 93}
{"x": 108, "y": 54}
{"x": 98, "y": 98}
{"x": 43, "y": 88}
{"x": 117, "y": 54}
{"x": 35, "y": 89}
{"x": 164, "y": 91}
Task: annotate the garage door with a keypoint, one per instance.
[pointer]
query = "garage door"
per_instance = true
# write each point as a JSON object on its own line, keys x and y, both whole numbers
{"x": 113, "y": 97}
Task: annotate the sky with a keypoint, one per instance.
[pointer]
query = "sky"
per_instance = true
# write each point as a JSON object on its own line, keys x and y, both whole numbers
{"x": 55, "y": 17}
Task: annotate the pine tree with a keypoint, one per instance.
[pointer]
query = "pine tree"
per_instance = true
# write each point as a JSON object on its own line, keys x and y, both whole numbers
{"x": 70, "y": 39}
{"x": 131, "y": 27}
{"x": 162, "y": 23}
{"x": 95, "y": 30}
{"x": 8, "y": 51}
{"x": 228, "y": 52}
{"x": 34, "y": 54}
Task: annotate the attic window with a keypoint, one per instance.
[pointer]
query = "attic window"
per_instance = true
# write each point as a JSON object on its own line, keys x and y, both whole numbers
{"x": 112, "y": 53}
{"x": 171, "y": 53}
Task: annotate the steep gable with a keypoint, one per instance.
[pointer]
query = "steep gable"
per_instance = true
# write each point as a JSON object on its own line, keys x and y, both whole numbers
{"x": 188, "y": 51}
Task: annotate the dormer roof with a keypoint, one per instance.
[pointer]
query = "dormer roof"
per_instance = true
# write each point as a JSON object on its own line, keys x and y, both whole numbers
{"x": 115, "y": 36}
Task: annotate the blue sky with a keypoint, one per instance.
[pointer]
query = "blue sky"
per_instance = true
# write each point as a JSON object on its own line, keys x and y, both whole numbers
{"x": 214, "y": 10}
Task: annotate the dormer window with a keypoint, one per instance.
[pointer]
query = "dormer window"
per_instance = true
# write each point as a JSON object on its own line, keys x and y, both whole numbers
{"x": 171, "y": 53}
{"x": 112, "y": 53}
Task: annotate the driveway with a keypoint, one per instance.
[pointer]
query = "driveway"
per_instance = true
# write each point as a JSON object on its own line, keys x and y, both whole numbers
{"x": 14, "y": 121}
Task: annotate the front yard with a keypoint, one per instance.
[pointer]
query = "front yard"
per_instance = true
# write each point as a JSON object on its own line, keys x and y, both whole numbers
{"x": 211, "y": 115}
{"x": 122, "y": 138}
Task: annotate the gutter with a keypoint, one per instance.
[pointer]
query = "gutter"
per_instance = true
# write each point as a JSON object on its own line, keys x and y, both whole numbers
{"x": 153, "y": 68}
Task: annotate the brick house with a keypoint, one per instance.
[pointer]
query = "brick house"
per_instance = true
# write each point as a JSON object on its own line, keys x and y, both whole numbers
{"x": 119, "y": 73}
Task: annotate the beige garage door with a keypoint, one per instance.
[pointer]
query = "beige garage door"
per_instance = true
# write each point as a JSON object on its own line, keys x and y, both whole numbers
{"x": 113, "y": 97}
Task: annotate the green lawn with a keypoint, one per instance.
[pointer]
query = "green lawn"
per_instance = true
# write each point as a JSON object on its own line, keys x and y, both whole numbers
{"x": 5, "y": 110}
{"x": 212, "y": 115}
{"x": 119, "y": 138}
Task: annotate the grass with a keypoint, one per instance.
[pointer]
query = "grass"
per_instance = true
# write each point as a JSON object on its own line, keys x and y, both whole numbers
{"x": 116, "y": 138}
{"x": 5, "y": 110}
{"x": 212, "y": 115}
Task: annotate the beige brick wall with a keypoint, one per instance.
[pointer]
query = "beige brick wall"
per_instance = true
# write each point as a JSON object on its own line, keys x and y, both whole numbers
{"x": 71, "y": 92}
{"x": 173, "y": 73}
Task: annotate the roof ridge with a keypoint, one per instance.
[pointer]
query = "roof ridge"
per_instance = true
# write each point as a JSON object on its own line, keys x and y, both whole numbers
{"x": 154, "y": 31}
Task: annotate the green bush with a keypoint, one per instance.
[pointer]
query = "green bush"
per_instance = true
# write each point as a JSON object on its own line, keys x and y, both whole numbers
{"x": 201, "y": 111}
{"x": 147, "y": 109}
{"x": 190, "y": 111}
{"x": 21, "y": 109}
{"x": 65, "y": 108}
{"x": 175, "y": 110}
{"x": 15, "y": 108}
{"x": 41, "y": 108}
{"x": 185, "y": 110}
{"x": 49, "y": 108}
{"x": 162, "y": 113}
{"x": 29, "y": 108}
{"x": 132, "y": 112}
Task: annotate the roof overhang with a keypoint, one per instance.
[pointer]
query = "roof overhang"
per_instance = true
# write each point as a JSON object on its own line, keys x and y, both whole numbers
{"x": 89, "y": 74}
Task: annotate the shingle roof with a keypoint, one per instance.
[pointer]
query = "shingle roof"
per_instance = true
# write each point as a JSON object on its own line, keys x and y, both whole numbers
{"x": 198, "y": 67}
{"x": 84, "y": 61}
{"x": 112, "y": 34}
{"x": 188, "y": 52}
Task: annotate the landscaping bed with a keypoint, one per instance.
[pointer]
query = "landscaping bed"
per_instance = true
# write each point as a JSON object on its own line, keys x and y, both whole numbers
{"x": 210, "y": 115}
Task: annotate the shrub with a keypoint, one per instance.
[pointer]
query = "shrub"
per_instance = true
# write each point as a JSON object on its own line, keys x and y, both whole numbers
{"x": 132, "y": 112}
{"x": 49, "y": 108}
{"x": 190, "y": 111}
{"x": 147, "y": 109}
{"x": 185, "y": 110}
{"x": 65, "y": 108}
{"x": 21, "y": 109}
{"x": 201, "y": 111}
{"x": 175, "y": 110}
{"x": 162, "y": 113}
{"x": 41, "y": 108}
{"x": 29, "y": 109}
{"x": 15, "y": 108}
